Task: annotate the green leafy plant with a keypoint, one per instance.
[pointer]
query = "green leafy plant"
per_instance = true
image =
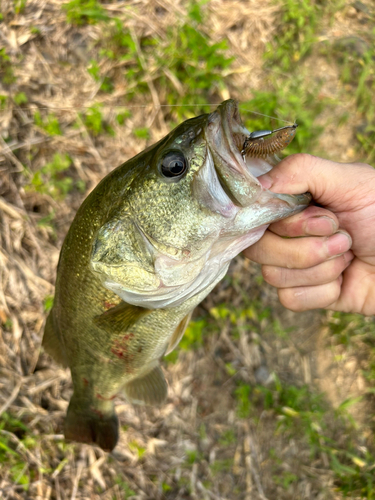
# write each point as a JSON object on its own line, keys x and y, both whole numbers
{"x": 3, "y": 101}
{"x": 124, "y": 487}
{"x": 296, "y": 32}
{"x": 285, "y": 479}
{"x": 49, "y": 123}
{"x": 193, "y": 337}
{"x": 106, "y": 82}
{"x": 85, "y": 12}
{"x": 242, "y": 394}
{"x": 6, "y": 69}
{"x": 193, "y": 456}
{"x": 142, "y": 133}
{"x": 301, "y": 412}
{"x": 227, "y": 438}
{"x": 48, "y": 303}
{"x": 19, "y": 6}
{"x": 354, "y": 56}
{"x": 196, "y": 63}
{"x": 20, "y": 98}
{"x": 135, "y": 447}
{"x": 187, "y": 67}
{"x": 122, "y": 117}
{"x": 218, "y": 466}
{"x": 350, "y": 330}
{"x": 94, "y": 121}
{"x": 298, "y": 25}
{"x": 52, "y": 179}
{"x": 11, "y": 453}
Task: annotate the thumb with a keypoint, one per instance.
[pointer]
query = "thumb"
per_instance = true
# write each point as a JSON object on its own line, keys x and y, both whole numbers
{"x": 326, "y": 180}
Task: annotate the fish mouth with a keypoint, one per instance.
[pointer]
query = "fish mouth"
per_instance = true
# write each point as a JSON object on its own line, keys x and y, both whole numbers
{"x": 225, "y": 136}
{"x": 230, "y": 174}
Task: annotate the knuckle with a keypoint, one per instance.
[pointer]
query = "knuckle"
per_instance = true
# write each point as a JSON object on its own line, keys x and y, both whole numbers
{"x": 291, "y": 226}
{"x": 301, "y": 299}
{"x": 288, "y": 299}
{"x": 330, "y": 271}
{"x": 267, "y": 274}
{"x": 307, "y": 253}
{"x": 273, "y": 275}
{"x": 363, "y": 165}
{"x": 334, "y": 292}
{"x": 304, "y": 160}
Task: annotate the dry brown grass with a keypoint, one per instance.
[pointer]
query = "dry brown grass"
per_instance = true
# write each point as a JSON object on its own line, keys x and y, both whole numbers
{"x": 152, "y": 457}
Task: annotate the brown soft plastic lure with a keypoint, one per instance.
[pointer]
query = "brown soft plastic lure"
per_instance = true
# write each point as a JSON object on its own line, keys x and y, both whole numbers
{"x": 262, "y": 143}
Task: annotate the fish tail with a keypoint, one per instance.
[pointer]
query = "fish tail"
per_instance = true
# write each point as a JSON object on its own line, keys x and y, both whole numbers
{"x": 87, "y": 424}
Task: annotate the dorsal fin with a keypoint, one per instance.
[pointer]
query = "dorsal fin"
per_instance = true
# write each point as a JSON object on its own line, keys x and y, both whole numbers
{"x": 120, "y": 318}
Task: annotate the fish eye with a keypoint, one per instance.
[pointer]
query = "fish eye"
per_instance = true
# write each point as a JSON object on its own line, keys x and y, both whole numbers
{"x": 173, "y": 164}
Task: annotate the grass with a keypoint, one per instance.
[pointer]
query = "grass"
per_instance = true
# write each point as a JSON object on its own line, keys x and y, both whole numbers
{"x": 303, "y": 413}
{"x": 358, "y": 72}
{"x": 299, "y": 23}
{"x": 52, "y": 179}
{"x": 15, "y": 438}
{"x": 49, "y": 123}
{"x": 186, "y": 67}
{"x": 85, "y": 12}
{"x": 6, "y": 70}
{"x": 94, "y": 121}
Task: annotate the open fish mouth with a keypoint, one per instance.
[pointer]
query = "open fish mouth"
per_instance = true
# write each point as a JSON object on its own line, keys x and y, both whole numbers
{"x": 248, "y": 155}
{"x": 235, "y": 159}
{"x": 226, "y": 135}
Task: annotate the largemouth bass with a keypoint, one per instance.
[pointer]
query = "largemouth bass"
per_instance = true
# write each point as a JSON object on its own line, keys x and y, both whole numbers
{"x": 146, "y": 246}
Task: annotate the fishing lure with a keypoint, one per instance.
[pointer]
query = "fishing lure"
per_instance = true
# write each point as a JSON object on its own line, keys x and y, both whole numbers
{"x": 262, "y": 143}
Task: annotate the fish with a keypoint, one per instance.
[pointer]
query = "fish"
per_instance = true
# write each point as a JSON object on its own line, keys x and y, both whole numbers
{"x": 147, "y": 245}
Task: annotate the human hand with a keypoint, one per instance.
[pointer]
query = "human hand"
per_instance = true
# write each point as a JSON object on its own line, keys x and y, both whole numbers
{"x": 326, "y": 268}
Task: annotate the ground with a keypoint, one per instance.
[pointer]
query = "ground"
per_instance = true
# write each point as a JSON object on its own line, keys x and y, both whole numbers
{"x": 263, "y": 402}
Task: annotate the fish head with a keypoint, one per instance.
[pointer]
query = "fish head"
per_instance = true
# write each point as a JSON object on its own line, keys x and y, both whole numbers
{"x": 194, "y": 204}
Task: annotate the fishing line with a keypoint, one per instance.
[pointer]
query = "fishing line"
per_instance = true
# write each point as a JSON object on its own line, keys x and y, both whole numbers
{"x": 154, "y": 107}
{"x": 267, "y": 116}
{"x": 126, "y": 106}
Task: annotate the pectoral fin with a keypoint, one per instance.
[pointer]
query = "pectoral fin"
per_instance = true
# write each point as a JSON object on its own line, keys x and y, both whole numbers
{"x": 151, "y": 389}
{"x": 178, "y": 333}
{"x": 120, "y": 318}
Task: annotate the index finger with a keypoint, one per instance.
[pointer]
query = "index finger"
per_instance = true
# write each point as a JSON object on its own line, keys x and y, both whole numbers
{"x": 330, "y": 183}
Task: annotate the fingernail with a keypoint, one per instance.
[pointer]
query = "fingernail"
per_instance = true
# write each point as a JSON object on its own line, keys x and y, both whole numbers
{"x": 266, "y": 181}
{"x": 320, "y": 226}
{"x": 338, "y": 243}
